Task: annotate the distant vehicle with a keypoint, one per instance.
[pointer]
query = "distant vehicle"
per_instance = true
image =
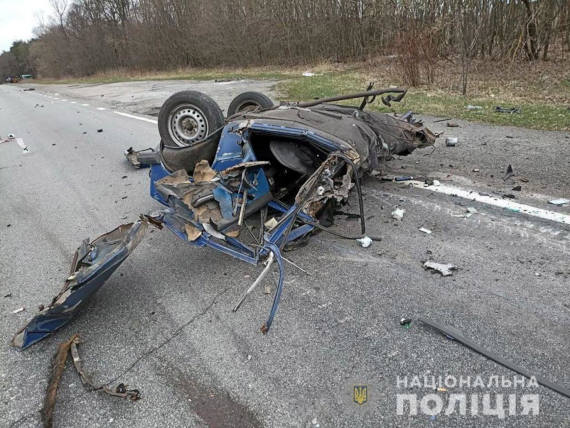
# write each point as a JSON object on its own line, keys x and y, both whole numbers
{"x": 27, "y": 76}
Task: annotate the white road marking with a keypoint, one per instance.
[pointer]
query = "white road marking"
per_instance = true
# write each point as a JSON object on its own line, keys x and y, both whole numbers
{"x": 101, "y": 108}
{"x": 494, "y": 201}
{"x": 132, "y": 116}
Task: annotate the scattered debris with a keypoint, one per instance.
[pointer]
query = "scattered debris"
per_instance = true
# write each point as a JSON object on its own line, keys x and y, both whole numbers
{"x": 17, "y": 311}
{"x": 509, "y": 110}
{"x": 398, "y": 214}
{"x": 443, "y": 269}
{"x": 559, "y": 202}
{"x": 451, "y": 141}
{"x": 92, "y": 264}
{"x": 453, "y": 333}
{"x": 142, "y": 158}
{"x": 64, "y": 349}
{"x": 424, "y": 230}
{"x": 509, "y": 173}
{"x": 365, "y": 242}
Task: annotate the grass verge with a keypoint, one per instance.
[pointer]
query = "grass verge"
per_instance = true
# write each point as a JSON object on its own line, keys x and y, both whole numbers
{"x": 433, "y": 102}
{"x": 542, "y": 92}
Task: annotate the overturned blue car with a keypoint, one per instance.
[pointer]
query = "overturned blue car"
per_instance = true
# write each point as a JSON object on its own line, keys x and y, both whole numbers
{"x": 262, "y": 180}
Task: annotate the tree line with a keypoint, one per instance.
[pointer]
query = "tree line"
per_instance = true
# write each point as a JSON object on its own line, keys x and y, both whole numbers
{"x": 89, "y": 36}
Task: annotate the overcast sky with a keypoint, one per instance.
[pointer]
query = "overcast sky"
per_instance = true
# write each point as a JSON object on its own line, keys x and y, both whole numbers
{"x": 18, "y": 18}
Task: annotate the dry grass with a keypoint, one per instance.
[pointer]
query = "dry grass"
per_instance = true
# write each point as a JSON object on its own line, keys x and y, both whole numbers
{"x": 541, "y": 89}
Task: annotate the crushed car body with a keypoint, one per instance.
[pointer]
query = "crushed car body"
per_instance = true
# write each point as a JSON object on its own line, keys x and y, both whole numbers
{"x": 285, "y": 168}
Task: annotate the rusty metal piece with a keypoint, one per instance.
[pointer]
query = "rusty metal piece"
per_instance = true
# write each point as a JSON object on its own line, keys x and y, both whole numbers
{"x": 57, "y": 371}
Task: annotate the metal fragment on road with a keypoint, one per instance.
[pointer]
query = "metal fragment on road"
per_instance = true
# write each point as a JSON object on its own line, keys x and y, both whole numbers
{"x": 398, "y": 214}
{"x": 559, "y": 202}
{"x": 451, "y": 141}
{"x": 424, "y": 230}
{"x": 364, "y": 242}
{"x": 17, "y": 311}
{"x": 445, "y": 269}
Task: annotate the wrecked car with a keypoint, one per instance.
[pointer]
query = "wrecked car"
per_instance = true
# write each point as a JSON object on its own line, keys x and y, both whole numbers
{"x": 284, "y": 168}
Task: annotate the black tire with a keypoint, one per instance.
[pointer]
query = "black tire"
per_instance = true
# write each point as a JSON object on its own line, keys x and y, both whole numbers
{"x": 249, "y": 101}
{"x": 189, "y": 117}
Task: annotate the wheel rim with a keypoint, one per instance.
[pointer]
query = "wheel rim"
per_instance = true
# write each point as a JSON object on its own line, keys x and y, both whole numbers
{"x": 187, "y": 125}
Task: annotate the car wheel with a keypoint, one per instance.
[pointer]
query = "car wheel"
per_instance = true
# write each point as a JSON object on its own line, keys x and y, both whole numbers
{"x": 189, "y": 117}
{"x": 249, "y": 101}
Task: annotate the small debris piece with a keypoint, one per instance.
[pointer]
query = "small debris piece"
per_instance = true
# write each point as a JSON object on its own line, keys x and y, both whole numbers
{"x": 424, "y": 230}
{"x": 517, "y": 188}
{"x": 271, "y": 223}
{"x": 452, "y": 125}
{"x": 17, "y": 311}
{"x": 524, "y": 180}
{"x": 443, "y": 269}
{"x": 441, "y": 389}
{"x": 398, "y": 214}
{"x": 559, "y": 202}
{"x": 472, "y": 210}
{"x": 99, "y": 130}
{"x": 509, "y": 196}
{"x": 509, "y": 173}
{"x": 365, "y": 242}
{"x": 8, "y": 225}
{"x": 436, "y": 182}
{"x": 471, "y": 107}
{"x": 406, "y": 322}
{"x": 510, "y": 110}
{"x": 8, "y": 295}
{"x": 451, "y": 141}
{"x": 476, "y": 170}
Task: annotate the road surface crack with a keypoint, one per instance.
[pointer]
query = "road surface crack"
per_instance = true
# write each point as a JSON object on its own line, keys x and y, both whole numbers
{"x": 172, "y": 336}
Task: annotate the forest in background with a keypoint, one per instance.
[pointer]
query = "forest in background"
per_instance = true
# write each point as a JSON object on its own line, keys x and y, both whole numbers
{"x": 86, "y": 37}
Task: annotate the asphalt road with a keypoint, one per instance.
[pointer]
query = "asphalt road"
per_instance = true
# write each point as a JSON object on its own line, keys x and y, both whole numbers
{"x": 163, "y": 323}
